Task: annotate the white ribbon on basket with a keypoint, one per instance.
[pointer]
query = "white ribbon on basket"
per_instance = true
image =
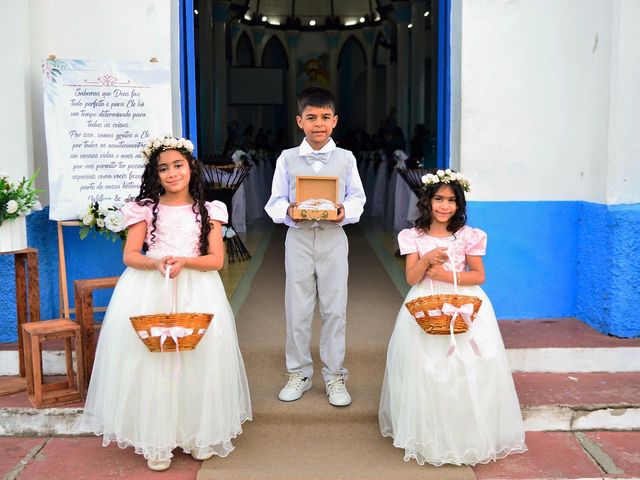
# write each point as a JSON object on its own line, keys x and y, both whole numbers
{"x": 173, "y": 332}
{"x": 465, "y": 311}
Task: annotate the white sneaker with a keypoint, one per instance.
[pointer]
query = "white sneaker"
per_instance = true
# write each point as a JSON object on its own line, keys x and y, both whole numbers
{"x": 158, "y": 465}
{"x": 295, "y": 387}
{"x": 337, "y": 392}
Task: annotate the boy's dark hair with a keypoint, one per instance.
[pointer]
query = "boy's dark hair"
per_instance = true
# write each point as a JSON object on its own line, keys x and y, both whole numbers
{"x": 315, "y": 97}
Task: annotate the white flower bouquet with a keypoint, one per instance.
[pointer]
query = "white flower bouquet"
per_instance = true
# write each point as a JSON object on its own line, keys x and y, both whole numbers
{"x": 18, "y": 199}
{"x": 103, "y": 218}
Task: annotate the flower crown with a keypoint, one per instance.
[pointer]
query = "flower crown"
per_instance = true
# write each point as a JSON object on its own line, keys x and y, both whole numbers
{"x": 166, "y": 142}
{"x": 446, "y": 176}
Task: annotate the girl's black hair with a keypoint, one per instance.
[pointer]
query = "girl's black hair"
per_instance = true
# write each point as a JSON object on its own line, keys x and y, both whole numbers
{"x": 459, "y": 218}
{"x": 151, "y": 190}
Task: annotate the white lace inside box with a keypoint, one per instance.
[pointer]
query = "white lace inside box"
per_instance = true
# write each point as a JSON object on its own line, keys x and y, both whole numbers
{"x": 317, "y": 198}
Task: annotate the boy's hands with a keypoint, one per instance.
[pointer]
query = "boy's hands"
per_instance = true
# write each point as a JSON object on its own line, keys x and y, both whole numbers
{"x": 290, "y": 211}
{"x": 339, "y": 207}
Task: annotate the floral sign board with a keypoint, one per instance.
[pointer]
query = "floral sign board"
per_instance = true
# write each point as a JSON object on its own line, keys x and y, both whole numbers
{"x": 98, "y": 117}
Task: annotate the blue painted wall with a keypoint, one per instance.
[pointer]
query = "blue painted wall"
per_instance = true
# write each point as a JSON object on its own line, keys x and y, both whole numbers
{"x": 89, "y": 258}
{"x": 531, "y": 256}
{"x": 609, "y": 268}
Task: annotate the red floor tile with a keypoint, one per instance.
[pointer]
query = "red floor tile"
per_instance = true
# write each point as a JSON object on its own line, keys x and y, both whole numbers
{"x": 15, "y": 449}
{"x": 555, "y": 333}
{"x": 612, "y": 389}
{"x": 550, "y": 455}
{"x": 83, "y": 458}
{"x": 622, "y": 447}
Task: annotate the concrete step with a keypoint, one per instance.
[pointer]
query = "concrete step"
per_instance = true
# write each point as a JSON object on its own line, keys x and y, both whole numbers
{"x": 568, "y": 376}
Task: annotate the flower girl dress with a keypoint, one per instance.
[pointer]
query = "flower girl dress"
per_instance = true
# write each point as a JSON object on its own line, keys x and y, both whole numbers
{"x": 460, "y": 409}
{"x": 141, "y": 399}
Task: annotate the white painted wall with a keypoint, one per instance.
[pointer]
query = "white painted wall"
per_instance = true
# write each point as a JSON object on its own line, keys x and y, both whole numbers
{"x": 623, "y": 176}
{"x": 97, "y": 30}
{"x": 15, "y": 121}
{"x": 536, "y": 77}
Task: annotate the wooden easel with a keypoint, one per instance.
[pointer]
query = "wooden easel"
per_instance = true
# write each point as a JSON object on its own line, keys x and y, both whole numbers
{"x": 65, "y": 310}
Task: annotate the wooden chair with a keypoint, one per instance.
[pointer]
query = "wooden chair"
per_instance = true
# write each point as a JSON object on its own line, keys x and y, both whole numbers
{"x": 47, "y": 394}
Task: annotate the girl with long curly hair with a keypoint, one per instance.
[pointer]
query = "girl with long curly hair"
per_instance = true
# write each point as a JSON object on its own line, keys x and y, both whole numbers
{"x": 445, "y": 398}
{"x": 194, "y": 400}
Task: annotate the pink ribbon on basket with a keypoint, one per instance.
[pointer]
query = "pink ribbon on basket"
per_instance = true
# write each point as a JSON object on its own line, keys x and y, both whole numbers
{"x": 465, "y": 311}
{"x": 175, "y": 333}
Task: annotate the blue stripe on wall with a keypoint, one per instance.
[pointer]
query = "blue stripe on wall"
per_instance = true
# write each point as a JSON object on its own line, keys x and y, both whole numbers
{"x": 188, "y": 73}
{"x": 609, "y": 268}
{"x": 531, "y": 256}
{"x": 544, "y": 260}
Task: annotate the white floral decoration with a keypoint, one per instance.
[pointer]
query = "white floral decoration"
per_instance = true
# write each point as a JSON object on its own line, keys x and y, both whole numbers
{"x": 17, "y": 199}
{"x": 446, "y": 176}
{"x": 238, "y": 156}
{"x": 103, "y": 218}
{"x": 165, "y": 142}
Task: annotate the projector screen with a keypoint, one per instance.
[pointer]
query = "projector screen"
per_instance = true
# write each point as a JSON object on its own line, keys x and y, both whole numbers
{"x": 256, "y": 86}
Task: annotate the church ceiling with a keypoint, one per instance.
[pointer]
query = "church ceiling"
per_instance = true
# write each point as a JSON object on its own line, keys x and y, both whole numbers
{"x": 312, "y": 14}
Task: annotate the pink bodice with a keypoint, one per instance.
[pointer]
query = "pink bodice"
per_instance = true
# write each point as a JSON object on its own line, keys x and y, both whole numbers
{"x": 466, "y": 241}
{"x": 177, "y": 227}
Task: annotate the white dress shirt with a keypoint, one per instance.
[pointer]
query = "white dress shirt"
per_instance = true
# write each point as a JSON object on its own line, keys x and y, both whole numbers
{"x": 354, "y": 198}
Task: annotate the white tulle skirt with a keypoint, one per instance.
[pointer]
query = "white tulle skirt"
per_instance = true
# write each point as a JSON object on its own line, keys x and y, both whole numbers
{"x": 138, "y": 398}
{"x": 460, "y": 409}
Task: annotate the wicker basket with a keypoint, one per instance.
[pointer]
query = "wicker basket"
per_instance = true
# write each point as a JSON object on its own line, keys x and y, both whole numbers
{"x": 439, "y": 324}
{"x": 199, "y": 322}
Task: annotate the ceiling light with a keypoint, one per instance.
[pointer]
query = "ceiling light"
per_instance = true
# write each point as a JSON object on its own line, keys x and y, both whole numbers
{"x": 410, "y": 25}
{"x": 426, "y": 14}
{"x": 361, "y": 19}
{"x": 349, "y": 23}
{"x": 274, "y": 22}
{"x": 247, "y": 16}
{"x": 195, "y": 12}
{"x": 264, "y": 18}
{"x": 312, "y": 23}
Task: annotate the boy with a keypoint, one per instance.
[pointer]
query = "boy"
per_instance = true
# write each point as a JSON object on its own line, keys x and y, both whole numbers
{"x": 316, "y": 251}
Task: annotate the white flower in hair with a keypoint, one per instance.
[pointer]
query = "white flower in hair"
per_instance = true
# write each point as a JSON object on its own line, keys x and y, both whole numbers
{"x": 166, "y": 142}
{"x": 446, "y": 176}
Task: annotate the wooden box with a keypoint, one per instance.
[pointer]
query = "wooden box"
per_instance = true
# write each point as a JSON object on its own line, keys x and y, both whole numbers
{"x": 312, "y": 188}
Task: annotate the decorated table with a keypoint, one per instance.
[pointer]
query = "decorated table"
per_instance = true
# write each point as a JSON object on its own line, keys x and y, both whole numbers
{"x": 221, "y": 183}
